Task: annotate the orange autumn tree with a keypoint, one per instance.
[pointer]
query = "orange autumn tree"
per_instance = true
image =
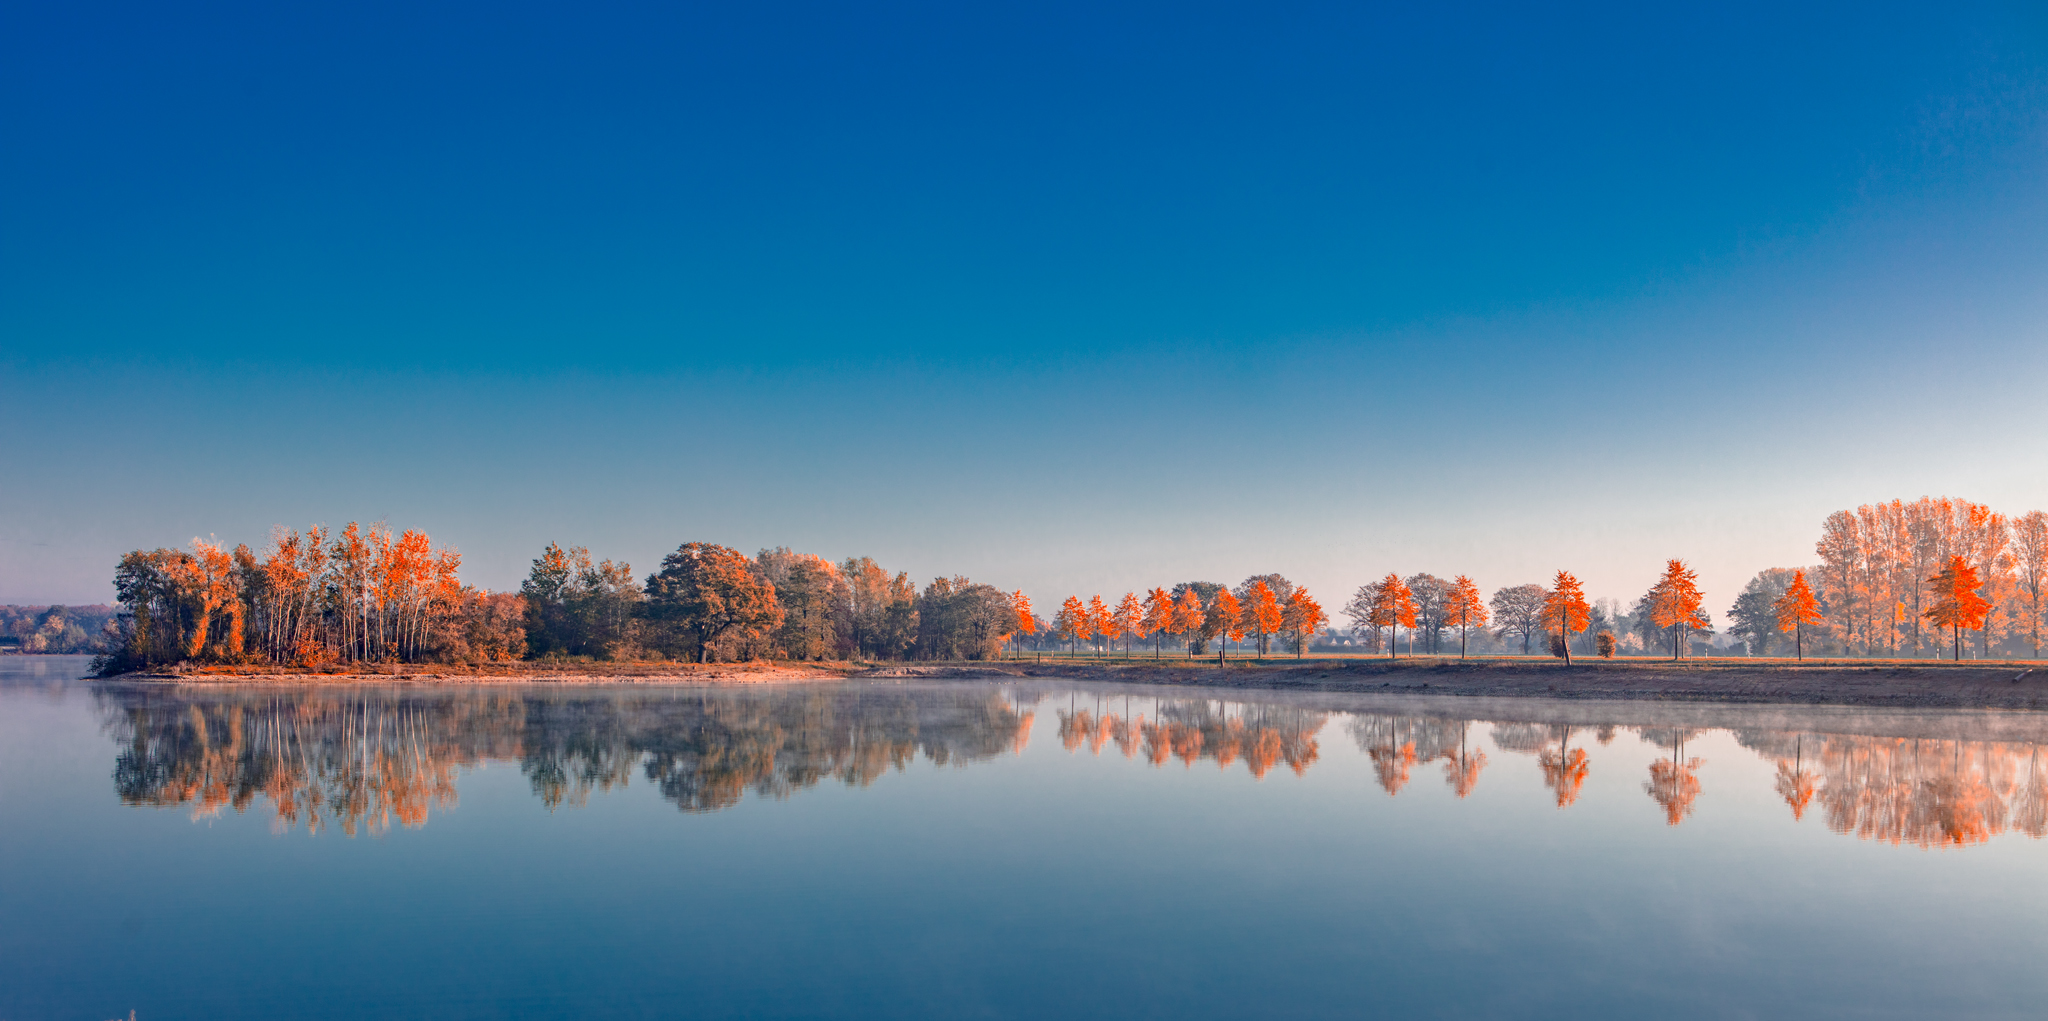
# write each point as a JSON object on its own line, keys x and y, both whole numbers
{"x": 1957, "y": 606}
{"x": 711, "y": 593}
{"x": 1189, "y": 618}
{"x": 1566, "y": 612}
{"x": 1675, "y": 602}
{"x": 1261, "y": 614}
{"x": 1159, "y": 617}
{"x": 208, "y": 577}
{"x": 1464, "y": 610}
{"x": 1225, "y": 612}
{"x": 1393, "y": 607}
{"x": 1130, "y": 620}
{"x": 1302, "y": 618}
{"x": 1796, "y": 609}
{"x": 1101, "y": 621}
{"x": 1071, "y": 621}
{"x": 367, "y": 596}
{"x": 1026, "y": 623}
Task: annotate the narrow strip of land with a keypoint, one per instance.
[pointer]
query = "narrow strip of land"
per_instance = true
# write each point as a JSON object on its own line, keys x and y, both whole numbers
{"x": 1902, "y": 684}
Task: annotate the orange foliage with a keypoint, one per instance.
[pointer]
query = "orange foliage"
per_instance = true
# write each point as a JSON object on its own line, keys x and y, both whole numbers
{"x": 1675, "y": 602}
{"x": 1101, "y": 622}
{"x": 1796, "y": 786}
{"x": 1564, "y": 771}
{"x": 1565, "y": 610}
{"x": 1129, "y": 619}
{"x": 1072, "y": 621}
{"x": 1302, "y": 618}
{"x": 1226, "y": 621}
{"x": 1390, "y": 765}
{"x": 1957, "y": 606}
{"x": 1461, "y": 771}
{"x": 1026, "y": 623}
{"x": 1188, "y": 616}
{"x": 1796, "y": 609}
{"x": 1465, "y": 610}
{"x": 1673, "y": 785}
{"x": 1159, "y": 617}
{"x": 367, "y": 596}
{"x": 713, "y": 595}
{"x": 1261, "y": 614}
{"x": 1393, "y": 607}
{"x": 1226, "y": 739}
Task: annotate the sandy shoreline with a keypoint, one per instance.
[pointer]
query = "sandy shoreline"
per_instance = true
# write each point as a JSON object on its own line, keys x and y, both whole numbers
{"x": 1903, "y": 684}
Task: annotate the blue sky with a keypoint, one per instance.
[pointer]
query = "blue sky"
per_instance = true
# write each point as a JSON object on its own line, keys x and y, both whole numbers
{"x": 1082, "y": 298}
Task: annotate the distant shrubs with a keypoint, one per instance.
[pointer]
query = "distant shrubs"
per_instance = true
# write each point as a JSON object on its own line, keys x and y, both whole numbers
{"x": 1604, "y": 644}
{"x": 54, "y": 629}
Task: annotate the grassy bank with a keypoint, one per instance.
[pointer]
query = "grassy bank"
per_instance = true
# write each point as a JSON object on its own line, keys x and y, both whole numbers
{"x": 1898, "y": 683}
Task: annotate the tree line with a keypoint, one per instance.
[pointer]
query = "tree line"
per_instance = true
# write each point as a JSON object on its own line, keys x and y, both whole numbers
{"x": 710, "y": 603}
{"x": 1263, "y": 608}
{"x": 1893, "y": 580}
{"x": 54, "y": 630}
{"x": 1905, "y": 580}
{"x": 356, "y": 595}
{"x": 367, "y": 595}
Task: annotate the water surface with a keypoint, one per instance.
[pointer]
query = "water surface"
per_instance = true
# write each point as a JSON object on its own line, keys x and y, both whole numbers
{"x": 1003, "y": 850}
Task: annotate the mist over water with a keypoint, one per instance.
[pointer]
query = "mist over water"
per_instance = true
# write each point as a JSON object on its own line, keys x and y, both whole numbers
{"x": 1003, "y": 849}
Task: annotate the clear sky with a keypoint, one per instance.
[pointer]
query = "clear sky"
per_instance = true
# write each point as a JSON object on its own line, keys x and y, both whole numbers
{"x": 1071, "y": 298}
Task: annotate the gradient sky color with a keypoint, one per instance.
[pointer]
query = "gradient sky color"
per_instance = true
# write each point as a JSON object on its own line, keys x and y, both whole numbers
{"x": 1068, "y": 298}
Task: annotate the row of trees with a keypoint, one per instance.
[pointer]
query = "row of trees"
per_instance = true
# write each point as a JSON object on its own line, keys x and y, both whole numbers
{"x": 1893, "y": 577}
{"x": 54, "y": 629}
{"x": 1432, "y": 607}
{"x": 711, "y": 602}
{"x": 356, "y": 595}
{"x": 369, "y": 595}
{"x": 1671, "y": 613}
{"x": 1194, "y": 613}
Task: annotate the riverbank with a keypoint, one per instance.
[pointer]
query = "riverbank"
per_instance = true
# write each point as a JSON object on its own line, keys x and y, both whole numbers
{"x": 537, "y": 672}
{"x": 1895, "y": 683}
{"x": 1888, "y": 683}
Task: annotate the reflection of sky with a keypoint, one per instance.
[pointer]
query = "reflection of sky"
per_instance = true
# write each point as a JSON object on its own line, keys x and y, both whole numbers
{"x": 1078, "y": 299}
{"x": 1051, "y": 882}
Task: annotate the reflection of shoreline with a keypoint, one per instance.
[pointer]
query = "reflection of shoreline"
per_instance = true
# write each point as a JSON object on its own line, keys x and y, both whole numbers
{"x": 362, "y": 758}
{"x": 1192, "y": 730}
{"x": 367, "y": 757}
{"x": 1927, "y": 792}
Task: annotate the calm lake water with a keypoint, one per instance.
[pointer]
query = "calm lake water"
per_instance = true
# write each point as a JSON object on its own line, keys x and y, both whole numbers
{"x": 1004, "y": 850}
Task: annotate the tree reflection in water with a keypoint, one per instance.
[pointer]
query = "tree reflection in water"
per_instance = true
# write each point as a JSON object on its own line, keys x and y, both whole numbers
{"x": 1674, "y": 782}
{"x": 362, "y": 759}
{"x": 1924, "y": 792}
{"x": 1193, "y": 729}
{"x": 355, "y": 759}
